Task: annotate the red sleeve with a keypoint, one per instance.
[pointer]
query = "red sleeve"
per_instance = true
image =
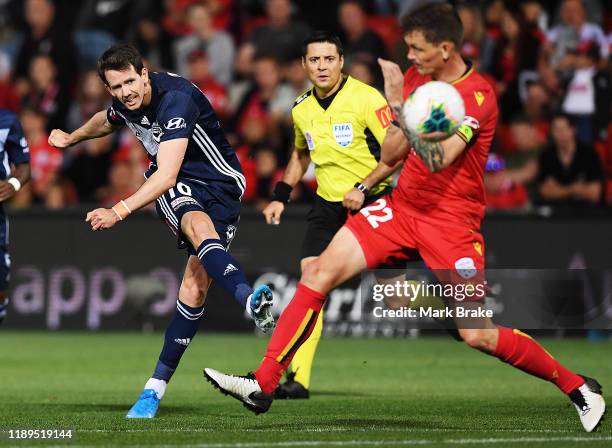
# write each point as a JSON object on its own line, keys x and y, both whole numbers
{"x": 480, "y": 109}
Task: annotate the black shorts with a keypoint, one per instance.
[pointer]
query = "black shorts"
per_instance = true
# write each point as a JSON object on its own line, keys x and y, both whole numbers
{"x": 324, "y": 220}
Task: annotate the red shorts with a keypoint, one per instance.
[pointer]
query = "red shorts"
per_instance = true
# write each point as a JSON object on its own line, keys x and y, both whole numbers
{"x": 387, "y": 234}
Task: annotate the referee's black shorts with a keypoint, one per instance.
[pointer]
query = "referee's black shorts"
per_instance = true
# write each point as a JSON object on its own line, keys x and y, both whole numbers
{"x": 324, "y": 220}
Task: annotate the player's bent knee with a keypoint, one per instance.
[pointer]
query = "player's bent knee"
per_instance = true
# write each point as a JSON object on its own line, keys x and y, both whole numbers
{"x": 317, "y": 276}
{"x": 480, "y": 339}
{"x": 472, "y": 337}
{"x": 305, "y": 261}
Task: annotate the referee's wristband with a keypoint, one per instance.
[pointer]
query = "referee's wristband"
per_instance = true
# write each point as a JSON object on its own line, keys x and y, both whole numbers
{"x": 282, "y": 192}
{"x": 361, "y": 187}
{"x": 15, "y": 183}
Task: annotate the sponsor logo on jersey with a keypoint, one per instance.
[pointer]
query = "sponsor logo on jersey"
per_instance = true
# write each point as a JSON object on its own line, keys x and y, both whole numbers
{"x": 465, "y": 267}
{"x": 478, "y": 247}
{"x": 343, "y": 133}
{"x": 182, "y": 201}
{"x": 176, "y": 123}
{"x": 309, "y": 140}
{"x": 385, "y": 116}
{"x": 479, "y": 96}
{"x": 145, "y": 121}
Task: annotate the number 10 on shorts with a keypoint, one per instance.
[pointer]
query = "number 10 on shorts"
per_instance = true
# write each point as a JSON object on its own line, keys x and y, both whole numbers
{"x": 380, "y": 205}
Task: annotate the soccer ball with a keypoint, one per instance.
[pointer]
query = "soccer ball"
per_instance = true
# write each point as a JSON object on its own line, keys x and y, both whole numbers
{"x": 434, "y": 111}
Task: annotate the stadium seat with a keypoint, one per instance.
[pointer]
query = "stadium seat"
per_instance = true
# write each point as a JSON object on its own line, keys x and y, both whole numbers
{"x": 387, "y": 28}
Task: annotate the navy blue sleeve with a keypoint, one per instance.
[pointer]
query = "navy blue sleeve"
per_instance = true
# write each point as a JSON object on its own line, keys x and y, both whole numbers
{"x": 16, "y": 145}
{"x": 113, "y": 117}
{"x": 177, "y": 116}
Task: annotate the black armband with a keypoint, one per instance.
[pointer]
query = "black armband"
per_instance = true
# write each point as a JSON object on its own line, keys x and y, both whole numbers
{"x": 282, "y": 192}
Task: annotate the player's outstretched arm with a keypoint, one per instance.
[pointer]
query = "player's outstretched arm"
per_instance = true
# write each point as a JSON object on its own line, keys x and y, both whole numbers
{"x": 169, "y": 159}
{"x": 97, "y": 126}
{"x": 297, "y": 166}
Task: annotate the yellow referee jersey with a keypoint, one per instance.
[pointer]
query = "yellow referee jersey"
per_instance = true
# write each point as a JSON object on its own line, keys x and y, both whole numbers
{"x": 345, "y": 139}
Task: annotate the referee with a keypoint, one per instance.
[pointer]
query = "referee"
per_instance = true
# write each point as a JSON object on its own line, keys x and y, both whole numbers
{"x": 339, "y": 124}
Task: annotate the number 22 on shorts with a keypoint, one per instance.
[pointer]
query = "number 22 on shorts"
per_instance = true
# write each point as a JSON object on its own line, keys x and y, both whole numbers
{"x": 379, "y": 206}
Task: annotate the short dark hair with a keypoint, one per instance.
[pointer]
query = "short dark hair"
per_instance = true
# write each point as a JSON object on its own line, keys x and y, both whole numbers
{"x": 322, "y": 37}
{"x": 352, "y": 2}
{"x": 262, "y": 55}
{"x": 119, "y": 57}
{"x": 438, "y": 22}
{"x": 560, "y": 115}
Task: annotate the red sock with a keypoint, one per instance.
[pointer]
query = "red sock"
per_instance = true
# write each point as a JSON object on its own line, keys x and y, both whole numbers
{"x": 293, "y": 328}
{"x": 520, "y": 350}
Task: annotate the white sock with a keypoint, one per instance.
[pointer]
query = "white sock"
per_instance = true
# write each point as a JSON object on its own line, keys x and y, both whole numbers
{"x": 159, "y": 386}
{"x": 249, "y": 311}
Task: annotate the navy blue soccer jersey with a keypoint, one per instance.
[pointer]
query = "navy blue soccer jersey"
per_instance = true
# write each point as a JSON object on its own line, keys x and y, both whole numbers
{"x": 13, "y": 145}
{"x": 178, "y": 109}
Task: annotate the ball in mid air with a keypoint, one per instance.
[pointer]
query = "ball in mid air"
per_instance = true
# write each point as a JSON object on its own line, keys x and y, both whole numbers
{"x": 434, "y": 111}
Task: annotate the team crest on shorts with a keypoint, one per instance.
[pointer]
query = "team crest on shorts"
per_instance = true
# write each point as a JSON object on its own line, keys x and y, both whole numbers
{"x": 231, "y": 233}
{"x": 465, "y": 267}
{"x": 343, "y": 133}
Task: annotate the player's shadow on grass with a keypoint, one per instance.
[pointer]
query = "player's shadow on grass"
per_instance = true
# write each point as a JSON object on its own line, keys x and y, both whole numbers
{"x": 106, "y": 407}
{"x": 409, "y": 424}
{"x": 336, "y": 393}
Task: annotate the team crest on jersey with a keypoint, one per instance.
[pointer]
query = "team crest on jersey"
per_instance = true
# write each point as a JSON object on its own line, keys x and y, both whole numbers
{"x": 176, "y": 123}
{"x": 343, "y": 133}
{"x": 309, "y": 140}
{"x": 24, "y": 144}
{"x": 471, "y": 122}
{"x": 157, "y": 132}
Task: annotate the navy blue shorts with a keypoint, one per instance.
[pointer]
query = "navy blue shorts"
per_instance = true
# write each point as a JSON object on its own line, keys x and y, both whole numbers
{"x": 5, "y": 259}
{"x": 190, "y": 195}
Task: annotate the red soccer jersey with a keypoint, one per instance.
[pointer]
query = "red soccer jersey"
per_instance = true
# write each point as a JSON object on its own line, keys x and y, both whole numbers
{"x": 455, "y": 194}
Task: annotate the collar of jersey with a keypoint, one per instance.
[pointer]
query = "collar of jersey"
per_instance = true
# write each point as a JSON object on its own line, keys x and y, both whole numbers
{"x": 468, "y": 72}
{"x": 335, "y": 94}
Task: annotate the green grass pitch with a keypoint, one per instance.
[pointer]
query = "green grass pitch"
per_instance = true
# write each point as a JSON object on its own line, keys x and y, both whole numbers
{"x": 366, "y": 392}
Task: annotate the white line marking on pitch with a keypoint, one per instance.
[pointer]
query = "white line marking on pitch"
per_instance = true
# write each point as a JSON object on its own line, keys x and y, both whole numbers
{"x": 415, "y": 442}
{"x": 328, "y": 429}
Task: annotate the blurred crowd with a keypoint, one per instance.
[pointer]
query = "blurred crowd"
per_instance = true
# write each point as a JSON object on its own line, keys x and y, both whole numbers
{"x": 549, "y": 62}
